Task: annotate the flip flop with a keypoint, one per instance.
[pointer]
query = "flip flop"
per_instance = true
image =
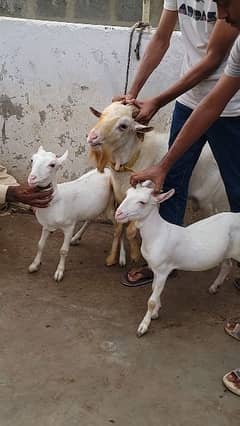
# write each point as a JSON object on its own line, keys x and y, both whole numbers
{"x": 232, "y": 381}
{"x": 232, "y": 327}
{"x": 236, "y": 283}
{"x": 145, "y": 280}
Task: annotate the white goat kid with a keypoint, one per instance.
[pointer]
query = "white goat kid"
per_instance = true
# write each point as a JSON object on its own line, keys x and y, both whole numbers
{"x": 82, "y": 199}
{"x": 165, "y": 246}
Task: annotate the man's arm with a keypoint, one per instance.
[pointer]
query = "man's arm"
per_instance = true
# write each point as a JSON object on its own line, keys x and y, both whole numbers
{"x": 34, "y": 197}
{"x": 200, "y": 120}
{"x": 220, "y": 43}
{"x": 154, "y": 52}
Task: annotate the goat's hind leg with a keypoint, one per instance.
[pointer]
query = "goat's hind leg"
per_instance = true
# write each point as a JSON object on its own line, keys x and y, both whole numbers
{"x": 75, "y": 240}
{"x": 34, "y": 267}
{"x": 68, "y": 232}
{"x": 225, "y": 269}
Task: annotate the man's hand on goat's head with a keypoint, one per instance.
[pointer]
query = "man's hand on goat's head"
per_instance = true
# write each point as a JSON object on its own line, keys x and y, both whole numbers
{"x": 123, "y": 98}
{"x": 155, "y": 174}
{"x": 145, "y": 109}
{"x": 34, "y": 197}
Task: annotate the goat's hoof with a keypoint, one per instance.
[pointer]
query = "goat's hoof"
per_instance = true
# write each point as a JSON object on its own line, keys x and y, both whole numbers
{"x": 122, "y": 261}
{"x": 58, "y": 276}
{"x": 155, "y": 316}
{"x": 213, "y": 290}
{"x": 142, "y": 329}
{"x": 110, "y": 261}
{"x": 134, "y": 259}
{"x": 33, "y": 268}
{"x": 75, "y": 242}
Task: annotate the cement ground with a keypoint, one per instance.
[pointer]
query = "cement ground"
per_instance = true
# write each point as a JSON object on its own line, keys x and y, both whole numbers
{"x": 69, "y": 354}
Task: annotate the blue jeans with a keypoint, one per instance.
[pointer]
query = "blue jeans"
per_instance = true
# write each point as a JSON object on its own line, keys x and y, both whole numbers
{"x": 224, "y": 139}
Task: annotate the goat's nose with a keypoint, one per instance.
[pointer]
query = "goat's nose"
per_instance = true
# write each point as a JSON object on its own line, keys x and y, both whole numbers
{"x": 31, "y": 179}
{"x": 118, "y": 214}
{"x": 93, "y": 137}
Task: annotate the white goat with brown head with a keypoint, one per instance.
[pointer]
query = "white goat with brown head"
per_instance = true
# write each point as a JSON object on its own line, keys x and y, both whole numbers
{"x": 126, "y": 146}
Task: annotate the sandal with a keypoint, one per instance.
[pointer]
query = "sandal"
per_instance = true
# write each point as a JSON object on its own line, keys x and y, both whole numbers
{"x": 146, "y": 276}
{"x": 145, "y": 273}
{"x": 232, "y": 381}
{"x": 232, "y": 327}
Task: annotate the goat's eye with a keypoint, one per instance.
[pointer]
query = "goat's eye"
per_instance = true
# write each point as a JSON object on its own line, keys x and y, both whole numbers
{"x": 123, "y": 126}
{"x": 31, "y": 161}
{"x": 142, "y": 203}
{"x": 52, "y": 165}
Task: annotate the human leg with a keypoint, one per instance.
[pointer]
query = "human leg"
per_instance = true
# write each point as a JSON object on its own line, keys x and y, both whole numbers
{"x": 224, "y": 140}
{"x": 173, "y": 210}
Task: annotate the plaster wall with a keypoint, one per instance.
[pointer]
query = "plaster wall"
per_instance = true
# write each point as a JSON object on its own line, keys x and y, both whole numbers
{"x": 51, "y": 72}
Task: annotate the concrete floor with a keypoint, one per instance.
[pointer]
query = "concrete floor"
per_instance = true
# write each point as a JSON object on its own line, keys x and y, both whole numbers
{"x": 69, "y": 354}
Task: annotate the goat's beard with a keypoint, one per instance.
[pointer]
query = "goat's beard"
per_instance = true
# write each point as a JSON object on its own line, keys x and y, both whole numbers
{"x": 101, "y": 157}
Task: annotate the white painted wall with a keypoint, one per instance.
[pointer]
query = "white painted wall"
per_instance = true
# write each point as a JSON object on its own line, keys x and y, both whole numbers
{"x": 50, "y": 73}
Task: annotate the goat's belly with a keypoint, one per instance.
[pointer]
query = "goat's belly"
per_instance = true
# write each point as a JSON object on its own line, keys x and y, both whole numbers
{"x": 202, "y": 258}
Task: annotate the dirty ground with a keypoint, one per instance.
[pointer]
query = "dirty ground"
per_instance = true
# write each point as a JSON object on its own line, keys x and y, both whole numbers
{"x": 69, "y": 354}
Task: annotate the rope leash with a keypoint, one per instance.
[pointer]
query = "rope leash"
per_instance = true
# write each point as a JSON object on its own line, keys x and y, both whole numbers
{"x": 141, "y": 26}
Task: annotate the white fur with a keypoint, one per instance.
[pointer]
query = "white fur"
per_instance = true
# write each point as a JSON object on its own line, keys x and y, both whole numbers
{"x": 120, "y": 134}
{"x": 80, "y": 200}
{"x": 165, "y": 246}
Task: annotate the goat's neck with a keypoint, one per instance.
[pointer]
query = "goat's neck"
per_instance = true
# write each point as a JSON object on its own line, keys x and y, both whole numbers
{"x": 124, "y": 153}
{"x": 54, "y": 185}
{"x": 151, "y": 224}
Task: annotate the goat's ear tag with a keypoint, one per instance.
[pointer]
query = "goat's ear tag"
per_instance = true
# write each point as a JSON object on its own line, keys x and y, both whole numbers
{"x": 95, "y": 112}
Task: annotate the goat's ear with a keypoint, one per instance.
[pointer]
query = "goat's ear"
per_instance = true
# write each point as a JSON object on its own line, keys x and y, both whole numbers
{"x": 140, "y": 128}
{"x": 60, "y": 160}
{"x": 164, "y": 196}
{"x": 95, "y": 112}
{"x": 40, "y": 149}
{"x": 147, "y": 184}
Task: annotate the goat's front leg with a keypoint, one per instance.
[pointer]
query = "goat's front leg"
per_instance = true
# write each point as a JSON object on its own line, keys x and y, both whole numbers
{"x": 133, "y": 242}
{"x": 225, "y": 269}
{"x": 68, "y": 232}
{"x": 154, "y": 302}
{"x": 41, "y": 244}
{"x": 113, "y": 255}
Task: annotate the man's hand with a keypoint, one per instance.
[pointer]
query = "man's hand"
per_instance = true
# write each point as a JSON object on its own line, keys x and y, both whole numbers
{"x": 35, "y": 197}
{"x": 155, "y": 173}
{"x": 147, "y": 109}
{"x": 123, "y": 98}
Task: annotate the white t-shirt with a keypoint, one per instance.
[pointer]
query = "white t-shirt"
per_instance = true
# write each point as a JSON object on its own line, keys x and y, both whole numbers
{"x": 197, "y": 19}
{"x": 233, "y": 64}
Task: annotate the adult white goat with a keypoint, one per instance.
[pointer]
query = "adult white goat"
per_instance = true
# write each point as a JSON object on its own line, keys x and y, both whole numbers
{"x": 165, "y": 246}
{"x": 79, "y": 200}
{"x": 125, "y": 145}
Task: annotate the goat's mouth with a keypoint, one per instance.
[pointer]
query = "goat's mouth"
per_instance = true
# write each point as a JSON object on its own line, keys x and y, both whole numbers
{"x": 95, "y": 145}
{"x": 121, "y": 217}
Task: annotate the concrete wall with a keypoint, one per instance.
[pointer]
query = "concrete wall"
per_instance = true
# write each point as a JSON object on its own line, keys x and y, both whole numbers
{"x": 50, "y": 73}
{"x": 106, "y": 12}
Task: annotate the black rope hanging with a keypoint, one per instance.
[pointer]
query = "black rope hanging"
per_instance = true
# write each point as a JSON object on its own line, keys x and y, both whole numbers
{"x": 141, "y": 26}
